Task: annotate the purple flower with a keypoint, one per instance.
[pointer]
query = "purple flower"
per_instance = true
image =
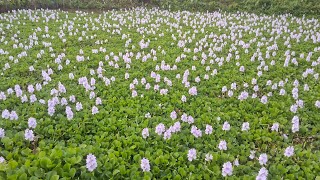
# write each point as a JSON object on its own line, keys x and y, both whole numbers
{"x": 192, "y": 154}
{"x": 91, "y": 162}
{"x": 95, "y": 110}
{"x": 222, "y": 145}
{"x": 28, "y": 135}
{"x": 2, "y": 133}
{"x": 226, "y": 126}
{"x": 145, "y": 165}
{"x": 173, "y": 115}
{"x": 227, "y": 169}
{"x": 208, "y": 129}
{"x": 289, "y": 151}
{"x": 263, "y": 159}
{"x": 263, "y": 174}
{"x": 145, "y": 133}
{"x": 193, "y": 91}
{"x": 160, "y": 128}
{"x": 245, "y": 126}
{"x": 32, "y": 123}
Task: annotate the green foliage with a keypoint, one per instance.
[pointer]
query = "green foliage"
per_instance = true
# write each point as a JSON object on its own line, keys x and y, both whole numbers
{"x": 295, "y": 7}
{"x": 6, "y": 5}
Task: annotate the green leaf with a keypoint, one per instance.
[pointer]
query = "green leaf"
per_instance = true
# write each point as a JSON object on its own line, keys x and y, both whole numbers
{"x": 72, "y": 172}
{"x": 122, "y": 169}
{"x": 12, "y": 164}
{"x": 45, "y": 162}
{"x": 23, "y": 176}
{"x": 115, "y": 172}
{"x": 39, "y": 173}
{"x": 182, "y": 172}
{"x": 55, "y": 177}
{"x": 67, "y": 167}
{"x": 50, "y": 174}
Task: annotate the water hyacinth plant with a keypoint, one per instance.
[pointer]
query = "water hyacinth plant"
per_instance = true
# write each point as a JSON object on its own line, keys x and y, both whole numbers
{"x": 154, "y": 94}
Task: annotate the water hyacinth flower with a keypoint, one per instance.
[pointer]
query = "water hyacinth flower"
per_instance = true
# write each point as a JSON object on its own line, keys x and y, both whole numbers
{"x": 263, "y": 174}
{"x": 226, "y": 126}
{"x": 263, "y": 159}
{"x": 13, "y": 115}
{"x": 192, "y": 154}
{"x": 224, "y": 89}
{"x": 148, "y": 115}
{"x": 208, "y": 157}
{"x": 145, "y": 165}
{"x": 5, "y": 114}
{"x": 134, "y": 93}
{"x": 289, "y": 151}
{"x": 190, "y": 120}
{"x": 24, "y": 99}
{"x": 196, "y": 132}
{"x": 193, "y": 91}
{"x": 243, "y": 96}
{"x": 30, "y": 88}
{"x": 294, "y": 108}
{"x": 72, "y": 98}
{"x": 275, "y": 127}
{"x": 160, "y": 128}
{"x": 222, "y": 145}
{"x": 209, "y": 129}
{"x": 78, "y": 106}
{"x": 3, "y": 96}
{"x": 295, "y": 124}
{"x": 236, "y": 162}
{"x": 32, "y": 123}
{"x": 31, "y": 68}
{"x": 167, "y": 134}
{"x": 71, "y": 76}
{"x": 176, "y": 127}
{"x": 91, "y": 162}
{"x": 2, "y": 160}
{"x": 184, "y": 117}
{"x": 61, "y": 88}
{"x": 92, "y": 95}
{"x": 163, "y": 91}
{"x": 264, "y": 99}
{"x": 28, "y": 135}
{"x": 317, "y": 104}
{"x": 227, "y": 169}
{"x": 95, "y": 110}
{"x": 126, "y": 76}
{"x": 42, "y": 101}
{"x": 282, "y": 92}
{"x": 184, "y": 98}
{"x": 284, "y": 136}
{"x": 245, "y": 126}
{"x": 230, "y": 93}
{"x": 33, "y": 98}
{"x": 69, "y": 113}
{"x": 98, "y": 101}
{"x": 2, "y": 133}
{"x": 145, "y": 133}
{"x": 254, "y": 95}
{"x": 173, "y": 115}
{"x": 241, "y": 69}
{"x": 252, "y": 154}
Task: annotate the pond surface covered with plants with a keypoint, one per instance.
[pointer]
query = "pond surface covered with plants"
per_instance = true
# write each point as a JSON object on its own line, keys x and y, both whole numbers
{"x": 155, "y": 94}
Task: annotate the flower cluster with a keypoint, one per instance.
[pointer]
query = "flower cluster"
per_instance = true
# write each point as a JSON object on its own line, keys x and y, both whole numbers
{"x": 91, "y": 162}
